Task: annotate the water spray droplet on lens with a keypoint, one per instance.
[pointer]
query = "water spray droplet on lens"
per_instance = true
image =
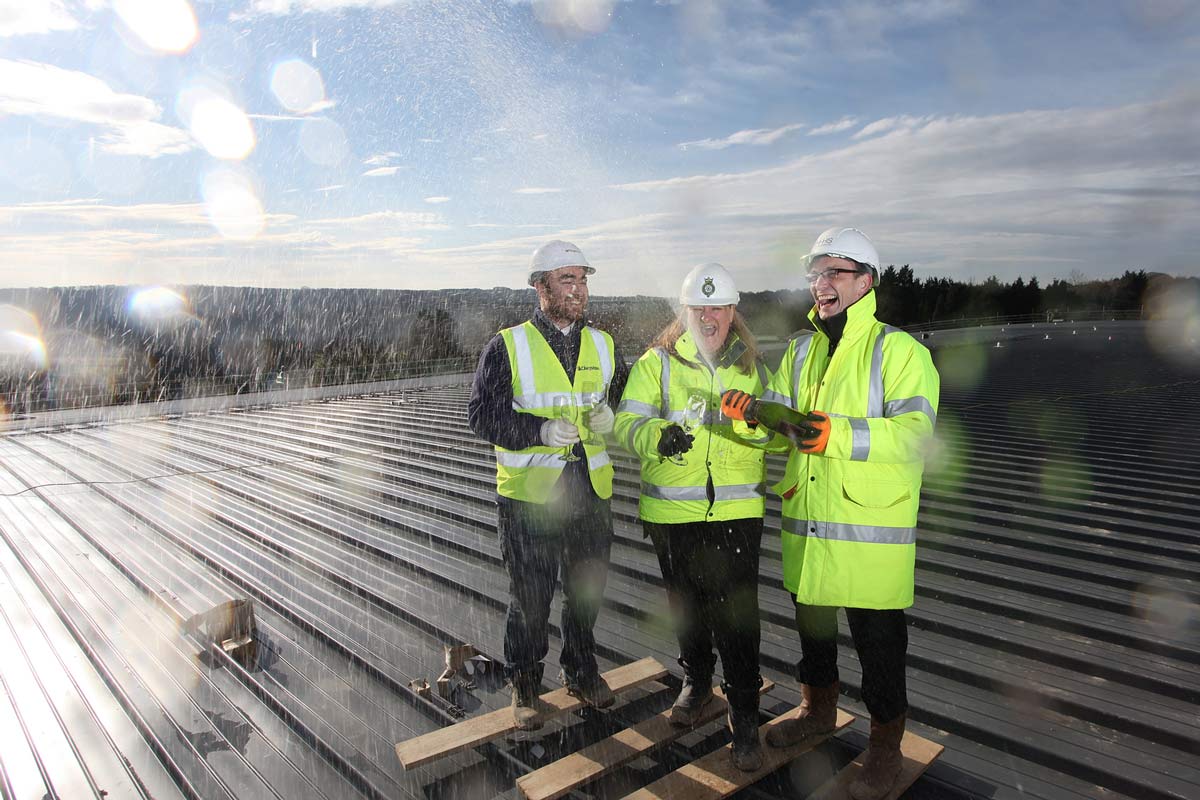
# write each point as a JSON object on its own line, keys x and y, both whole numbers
{"x": 297, "y": 86}
{"x": 221, "y": 127}
{"x": 232, "y": 205}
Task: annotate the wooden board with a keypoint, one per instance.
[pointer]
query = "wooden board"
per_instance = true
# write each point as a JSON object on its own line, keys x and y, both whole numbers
{"x": 918, "y": 754}
{"x": 714, "y": 776}
{"x": 477, "y": 730}
{"x": 555, "y": 780}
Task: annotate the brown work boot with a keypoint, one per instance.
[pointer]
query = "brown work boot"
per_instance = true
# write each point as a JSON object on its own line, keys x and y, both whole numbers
{"x": 816, "y": 716}
{"x": 883, "y": 761}
{"x": 696, "y": 694}
{"x": 525, "y": 702}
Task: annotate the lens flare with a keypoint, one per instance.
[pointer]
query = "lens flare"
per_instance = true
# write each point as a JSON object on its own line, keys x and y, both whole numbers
{"x": 158, "y": 303}
{"x": 232, "y": 205}
{"x": 297, "y": 86}
{"x": 168, "y": 26}
{"x": 574, "y": 17}
{"x": 220, "y": 126}
{"x": 21, "y": 352}
{"x": 323, "y": 142}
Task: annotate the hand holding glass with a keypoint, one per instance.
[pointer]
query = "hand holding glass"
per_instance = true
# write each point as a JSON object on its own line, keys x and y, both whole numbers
{"x": 564, "y": 409}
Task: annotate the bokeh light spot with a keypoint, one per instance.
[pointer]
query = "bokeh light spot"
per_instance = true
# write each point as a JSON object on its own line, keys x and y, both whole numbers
{"x": 323, "y": 142}
{"x": 297, "y": 86}
{"x": 232, "y": 205}
{"x": 574, "y": 17}
{"x": 158, "y": 302}
{"x": 168, "y": 26}
{"x": 220, "y": 126}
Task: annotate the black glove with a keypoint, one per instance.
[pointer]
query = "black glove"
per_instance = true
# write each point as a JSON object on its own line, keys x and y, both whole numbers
{"x": 674, "y": 440}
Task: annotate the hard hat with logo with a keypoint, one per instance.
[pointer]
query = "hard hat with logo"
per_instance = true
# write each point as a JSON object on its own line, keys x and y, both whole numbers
{"x": 848, "y": 243}
{"x": 555, "y": 254}
{"x": 708, "y": 285}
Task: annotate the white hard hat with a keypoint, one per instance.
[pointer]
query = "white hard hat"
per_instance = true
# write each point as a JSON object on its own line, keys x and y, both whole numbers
{"x": 555, "y": 254}
{"x": 848, "y": 243}
{"x": 708, "y": 285}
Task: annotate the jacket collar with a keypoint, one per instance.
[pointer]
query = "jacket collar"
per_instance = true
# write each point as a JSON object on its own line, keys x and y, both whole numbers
{"x": 686, "y": 347}
{"x": 548, "y": 328}
{"x": 859, "y": 318}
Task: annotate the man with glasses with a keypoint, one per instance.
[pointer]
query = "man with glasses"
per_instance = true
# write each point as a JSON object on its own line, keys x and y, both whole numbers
{"x": 850, "y": 494}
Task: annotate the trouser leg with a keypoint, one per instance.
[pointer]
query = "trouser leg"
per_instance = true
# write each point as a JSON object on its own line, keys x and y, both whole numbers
{"x": 587, "y": 538}
{"x": 730, "y": 607}
{"x": 531, "y": 557}
{"x": 881, "y": 640}
{"x": 817, "y": 626}
{"x": 677, "y": 549}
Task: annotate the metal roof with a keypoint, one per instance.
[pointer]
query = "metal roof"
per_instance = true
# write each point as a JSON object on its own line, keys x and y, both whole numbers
{"x": 1054, "y": 644}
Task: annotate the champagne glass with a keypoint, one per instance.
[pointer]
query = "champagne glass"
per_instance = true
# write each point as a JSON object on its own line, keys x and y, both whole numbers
{"x": 564, "y": 408}
{"x": 592, "y": 398}
{"x": 693, "y": 417}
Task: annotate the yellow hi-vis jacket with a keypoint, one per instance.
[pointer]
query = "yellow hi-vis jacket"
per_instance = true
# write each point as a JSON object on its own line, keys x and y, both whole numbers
{"x": 538, "y": 378}
{"x": 657, "y": 394}
{"x": 850, "y": 513}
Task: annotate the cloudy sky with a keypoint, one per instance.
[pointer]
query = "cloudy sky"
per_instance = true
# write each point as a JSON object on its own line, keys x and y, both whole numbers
{"x": 435, "y": 143}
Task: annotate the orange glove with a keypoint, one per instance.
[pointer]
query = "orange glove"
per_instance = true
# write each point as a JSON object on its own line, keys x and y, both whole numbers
{"x": 817, "y": 434}
{"x": 735, "y": 404}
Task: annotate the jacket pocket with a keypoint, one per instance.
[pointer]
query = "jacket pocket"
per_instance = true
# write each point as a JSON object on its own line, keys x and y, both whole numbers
{"x": 876, "y": 494}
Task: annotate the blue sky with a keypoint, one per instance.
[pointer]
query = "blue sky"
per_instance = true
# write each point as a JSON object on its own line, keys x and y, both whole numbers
{"x": 411, "y": 144}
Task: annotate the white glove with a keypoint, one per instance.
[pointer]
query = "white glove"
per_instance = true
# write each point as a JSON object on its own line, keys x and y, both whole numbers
{"x": 559, "y": 433}
{"x": 600, "y": 419}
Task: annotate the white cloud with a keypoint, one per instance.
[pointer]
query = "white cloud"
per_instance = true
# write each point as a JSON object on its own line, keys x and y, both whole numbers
{"x": 22, "y": 17}
{"x": 536, "y": 190}
{"x": 29, "y": 88}
{"x": 757, "y": 136}
{"x": 408, "y": 220}
{"x": 436, "y": 200}
{"x": 290, "y": 6}
{"x": 889, "y": 124}
{"x": 381, "y": 159}
{"x": 843, "y": 124}
{"x": 380, "y": 172}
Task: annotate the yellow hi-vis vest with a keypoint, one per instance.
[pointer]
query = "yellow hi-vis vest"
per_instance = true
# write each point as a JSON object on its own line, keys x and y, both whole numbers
{"x": 537, "y": 379}
{"x": 850, "y": 513}
{"x": 657, "y": 394}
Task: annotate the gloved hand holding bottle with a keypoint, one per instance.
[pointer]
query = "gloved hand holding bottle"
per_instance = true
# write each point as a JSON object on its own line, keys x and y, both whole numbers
{"x": 808, "y": 432}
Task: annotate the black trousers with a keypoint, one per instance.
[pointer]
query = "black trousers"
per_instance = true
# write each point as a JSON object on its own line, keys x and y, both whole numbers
{"x": 881, "y": 641}
{"x": 541, "y": 544}
{"x": 711, "y": 573}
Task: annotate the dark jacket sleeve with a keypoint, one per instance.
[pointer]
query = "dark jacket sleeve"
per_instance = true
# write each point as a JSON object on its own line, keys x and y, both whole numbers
{"x": 489, "y": 411}
{"x": 620, "y": 377}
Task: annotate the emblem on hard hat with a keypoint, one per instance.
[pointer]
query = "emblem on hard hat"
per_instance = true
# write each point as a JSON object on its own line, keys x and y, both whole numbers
{"x": 708, "y": 289}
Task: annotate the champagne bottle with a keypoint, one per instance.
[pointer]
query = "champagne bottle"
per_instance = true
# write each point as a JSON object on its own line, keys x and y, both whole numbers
{"x": 773, "y": 416}
{"x": 781, "y": 419}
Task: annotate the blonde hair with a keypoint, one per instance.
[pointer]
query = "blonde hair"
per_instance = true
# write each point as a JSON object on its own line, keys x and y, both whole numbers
{"x": 669, "y": 335}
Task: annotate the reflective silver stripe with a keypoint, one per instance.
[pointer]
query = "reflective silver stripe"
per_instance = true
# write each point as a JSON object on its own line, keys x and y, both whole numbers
{"x": 633, "y": 432}
{"x": 802, "y": 346}
{"x": 599, "y": 460}
{"x": 637, "y": 407}
{"x": 524, "y": 360}
{"x": 711, "y": 417}
{"x": 860, "y": 447}
{"x": 762, "y": 374}
{"x": 606, "y": 364}
{"x": 894, "y": 408}
{"x": 508, "y": 458}
{"x": 747, "y": 491}
{"x": 875, "y": 392}
{"x": 546, "y": 399}
{"x": 846, "y": 532}
{"x": 664, "y": 381}
{"x": 775, "y": 397}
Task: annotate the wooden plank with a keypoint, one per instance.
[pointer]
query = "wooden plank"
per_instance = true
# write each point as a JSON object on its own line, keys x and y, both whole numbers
{"x": 714, "y": 776}
{"x": 555, "y": 780}
{"x": 477, "y": 730}
{"x": 918, "y": 753}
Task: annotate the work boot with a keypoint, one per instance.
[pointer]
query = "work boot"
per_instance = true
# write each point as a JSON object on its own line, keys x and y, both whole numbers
{"x": 695, "y": 695}
{"x": 743, "y": 721}
{"x": 591, "y": 689}
{"x": 525, "y": 702}
{"x": 816, "y": 716}
{"x": 882, "y": 764}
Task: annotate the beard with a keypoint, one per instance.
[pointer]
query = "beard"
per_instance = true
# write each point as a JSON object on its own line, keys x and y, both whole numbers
{"x": 565, "y": 310}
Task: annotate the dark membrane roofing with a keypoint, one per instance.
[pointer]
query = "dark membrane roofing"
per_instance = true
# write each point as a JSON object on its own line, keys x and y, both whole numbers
{"x": 1054, "y": 643}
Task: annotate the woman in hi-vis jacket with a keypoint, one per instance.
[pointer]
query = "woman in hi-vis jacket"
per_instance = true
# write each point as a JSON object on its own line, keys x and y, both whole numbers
{"x": 702, "y": 497}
